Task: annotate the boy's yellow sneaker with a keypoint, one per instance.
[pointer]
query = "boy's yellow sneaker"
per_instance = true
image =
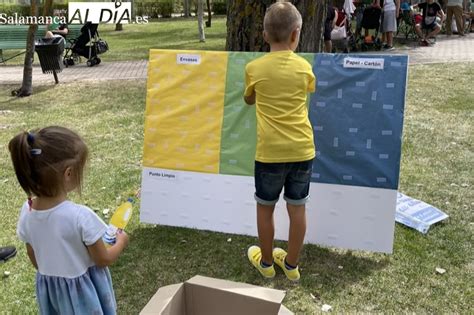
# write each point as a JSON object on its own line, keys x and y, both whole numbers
{"x": 279, "y": 256}
{"x": 254, "y": 253}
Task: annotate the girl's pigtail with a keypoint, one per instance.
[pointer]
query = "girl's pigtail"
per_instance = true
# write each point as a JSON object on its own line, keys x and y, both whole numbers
{"x": 20, "y": 148}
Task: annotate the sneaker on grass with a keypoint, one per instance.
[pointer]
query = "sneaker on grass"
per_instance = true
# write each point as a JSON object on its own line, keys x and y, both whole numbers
{"x": 279, "y": 256}
{"x": 254, "y": 253}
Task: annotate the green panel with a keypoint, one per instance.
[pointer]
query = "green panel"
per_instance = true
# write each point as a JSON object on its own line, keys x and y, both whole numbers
{"x": 239, "y": 135}
{"x": 308, "y": 56}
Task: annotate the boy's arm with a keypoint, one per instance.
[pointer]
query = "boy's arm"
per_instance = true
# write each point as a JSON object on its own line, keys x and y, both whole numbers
{"x": 397, "y": 4}
{"x": 250, "y": 100}
{"x": 249, "y": 93}
{"x": 311, "y": 81}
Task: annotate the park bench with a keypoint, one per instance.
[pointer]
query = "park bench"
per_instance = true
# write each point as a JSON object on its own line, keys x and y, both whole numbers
{"x": 14, "y": 37}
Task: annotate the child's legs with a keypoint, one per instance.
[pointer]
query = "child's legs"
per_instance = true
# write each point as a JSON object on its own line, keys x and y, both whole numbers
{"x": 296, "y": 195}
{"x": 266, "y": 231}
{"x": 269, "y": 181}
{"x": 297, "y": 214}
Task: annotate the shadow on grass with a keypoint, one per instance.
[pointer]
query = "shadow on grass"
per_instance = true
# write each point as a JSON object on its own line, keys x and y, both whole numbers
{"x": 9, "y": 103}
{"x": 161, "y": 255}
{"x": 333, "y": 270}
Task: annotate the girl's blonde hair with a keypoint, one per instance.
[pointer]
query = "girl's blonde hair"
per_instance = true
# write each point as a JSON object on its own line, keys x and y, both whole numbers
{"x": 41, "y": 157}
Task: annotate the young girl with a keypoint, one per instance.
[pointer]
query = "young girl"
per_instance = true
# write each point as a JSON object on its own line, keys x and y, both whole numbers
{"x": 63, "y": 239}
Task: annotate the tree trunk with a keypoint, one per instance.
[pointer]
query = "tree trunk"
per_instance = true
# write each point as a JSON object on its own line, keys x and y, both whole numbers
{"x": 118, "y": 26}
{"x": 200, "y": 14}
{"x": 187, "y": 8}
{"x": 47, "y": 7}
{"x": 209, "y": 13}
{"x": 245, "y": 24}
{"x": 314, "y": 14}
{"x": 27, "y": 84}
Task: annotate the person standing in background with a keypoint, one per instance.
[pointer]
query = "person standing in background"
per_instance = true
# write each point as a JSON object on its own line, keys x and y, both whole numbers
{"x": 329, "y": 25}
{"x": 391, "y": 10}
{"x": 454, "y": 7}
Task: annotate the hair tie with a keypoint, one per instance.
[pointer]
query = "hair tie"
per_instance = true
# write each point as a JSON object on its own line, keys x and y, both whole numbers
{"x": 30, "y": 138}
{"x": 35, "y": 151}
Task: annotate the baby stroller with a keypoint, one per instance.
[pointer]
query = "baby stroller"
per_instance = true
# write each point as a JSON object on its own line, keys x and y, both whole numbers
{"x": 88, "y": 45}
{"x": 407, "y": 22}
{"x": 370, "y": 21}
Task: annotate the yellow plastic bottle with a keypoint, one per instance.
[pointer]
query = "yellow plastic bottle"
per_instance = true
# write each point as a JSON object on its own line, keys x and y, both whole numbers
{"x": 119, "y": 220}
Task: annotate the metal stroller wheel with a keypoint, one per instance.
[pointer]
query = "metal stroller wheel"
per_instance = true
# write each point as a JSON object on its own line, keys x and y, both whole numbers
{"x": 76, "y": 59}
{"x": 68, "y": 62}
{"x": 93, "y": 62}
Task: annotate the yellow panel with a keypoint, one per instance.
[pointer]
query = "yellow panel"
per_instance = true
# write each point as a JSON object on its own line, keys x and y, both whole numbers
{"x": 184, "y": 110}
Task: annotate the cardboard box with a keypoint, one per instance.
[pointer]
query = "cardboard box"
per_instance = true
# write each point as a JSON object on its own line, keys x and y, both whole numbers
{"x": 209, "y": 296}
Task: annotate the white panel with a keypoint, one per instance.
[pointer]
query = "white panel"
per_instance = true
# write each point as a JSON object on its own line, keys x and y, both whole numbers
{"x": 342, "y": 216}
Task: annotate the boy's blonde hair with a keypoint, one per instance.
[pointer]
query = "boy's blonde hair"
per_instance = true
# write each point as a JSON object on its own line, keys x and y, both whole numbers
{"x": 281, "y": 19}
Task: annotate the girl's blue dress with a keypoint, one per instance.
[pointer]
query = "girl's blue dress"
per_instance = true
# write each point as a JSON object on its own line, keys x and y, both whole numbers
{"x": 68, "y": 281}
{"x": 91, "y": 293}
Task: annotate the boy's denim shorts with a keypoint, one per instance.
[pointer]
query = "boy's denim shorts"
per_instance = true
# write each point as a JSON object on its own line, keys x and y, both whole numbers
{"x": 270, "y": 178}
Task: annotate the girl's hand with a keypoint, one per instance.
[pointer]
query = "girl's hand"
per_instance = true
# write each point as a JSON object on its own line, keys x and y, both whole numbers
{"x": 122, "y": 237}
{"x": 103, "y": 256}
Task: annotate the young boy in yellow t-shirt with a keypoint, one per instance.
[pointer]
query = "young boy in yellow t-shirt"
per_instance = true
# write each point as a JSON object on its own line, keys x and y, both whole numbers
{"x": 278, "y": 84}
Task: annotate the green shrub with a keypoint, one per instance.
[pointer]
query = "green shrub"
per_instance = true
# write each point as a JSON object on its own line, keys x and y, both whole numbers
{"x": 22, "y": 10}
{"x": 219, "y": 7}
{"x": 11, "y": 9}
{"x": 166, "y": 8}
{"x": 155, "y": 9}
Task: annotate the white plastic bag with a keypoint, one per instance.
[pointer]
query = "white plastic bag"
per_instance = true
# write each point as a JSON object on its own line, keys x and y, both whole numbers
{"x": 338, "y": 32}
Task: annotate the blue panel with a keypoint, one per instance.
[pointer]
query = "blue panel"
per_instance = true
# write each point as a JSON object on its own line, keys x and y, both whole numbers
{"x": 357, "y": 116}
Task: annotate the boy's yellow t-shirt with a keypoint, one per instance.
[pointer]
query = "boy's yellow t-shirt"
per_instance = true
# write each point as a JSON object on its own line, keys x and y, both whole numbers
{"x": 281, "y": 81}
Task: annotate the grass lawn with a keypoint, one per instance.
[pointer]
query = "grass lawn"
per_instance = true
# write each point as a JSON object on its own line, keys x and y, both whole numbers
{"x": 437, "y": 167}
{"x": 134, "y": 42}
